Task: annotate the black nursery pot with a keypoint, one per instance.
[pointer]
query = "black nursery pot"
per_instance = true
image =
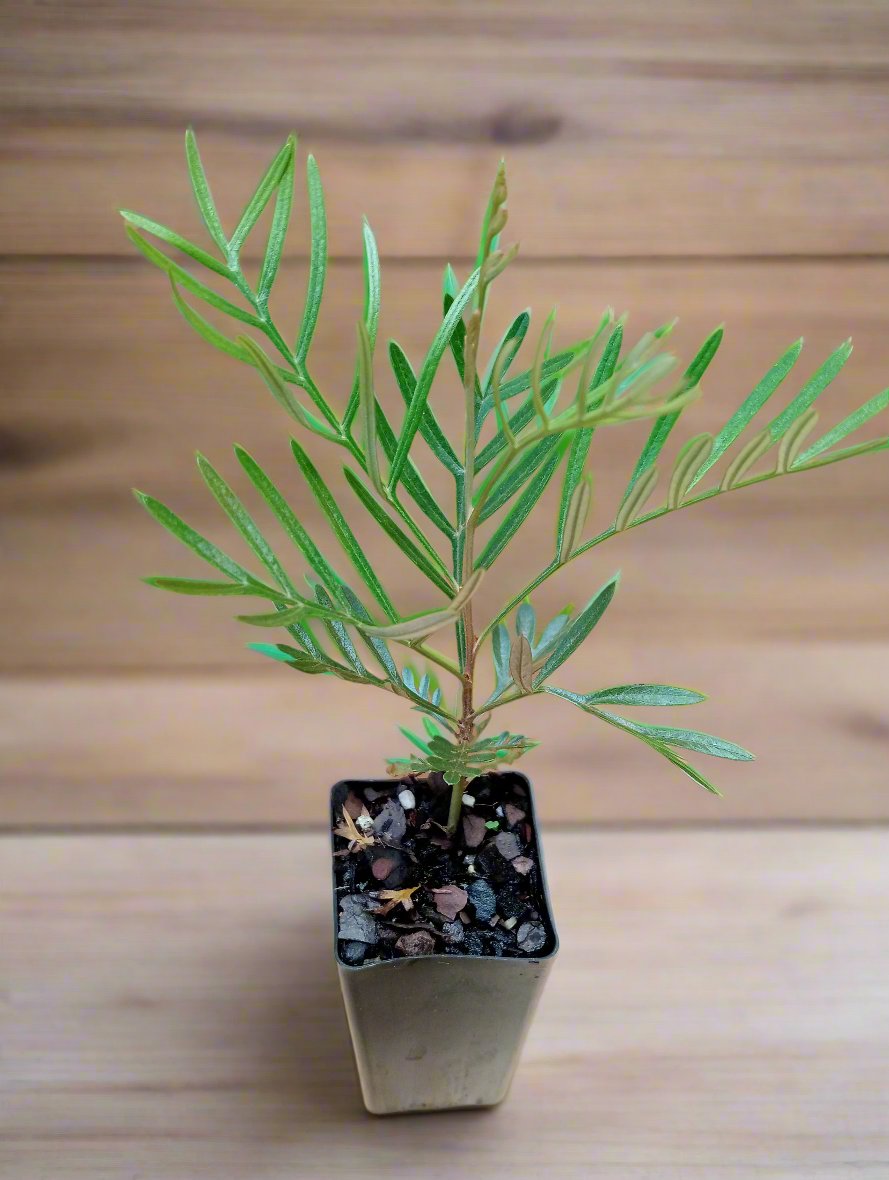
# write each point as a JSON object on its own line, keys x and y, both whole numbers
{"x": 442, "y": 1031}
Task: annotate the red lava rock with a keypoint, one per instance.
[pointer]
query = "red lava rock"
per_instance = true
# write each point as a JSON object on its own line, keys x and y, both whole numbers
{"x": 450, "y": 900}
{"x": 382, "y": 867}
{"x": 418, "y": 942}
{"x": 473, "y": 830}
{"x": 353, "y": 805}
{"x": 513, "y": 814}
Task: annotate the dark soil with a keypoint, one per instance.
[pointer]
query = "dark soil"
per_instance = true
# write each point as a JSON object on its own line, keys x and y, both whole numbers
{"x": 478, "y": 894}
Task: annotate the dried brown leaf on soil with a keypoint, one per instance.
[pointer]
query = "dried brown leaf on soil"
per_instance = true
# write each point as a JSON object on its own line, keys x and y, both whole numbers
{"x": 395, "y": 897}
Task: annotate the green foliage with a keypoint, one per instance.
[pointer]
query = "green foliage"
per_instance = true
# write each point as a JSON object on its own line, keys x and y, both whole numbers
{"x": 520, "y": 429}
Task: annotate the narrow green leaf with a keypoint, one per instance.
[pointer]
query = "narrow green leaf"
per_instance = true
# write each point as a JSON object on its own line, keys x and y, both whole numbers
{"x": 317, "y": 260}
{"x": 371, "y": 260}
{"x": 182, "y": 276}
{"x": 395, "y": 533}
{"x": 551, "y": 632}
{"x": 205, "y": 329}
{"x": 816, "y": 385}
{"x": 289, "y": 655}
{"x": 516, "y": 477}
{"x": 577, "y": 630}
{"x": 693, "y": 773}
{"x": 432, "y": 433}
{"x": 501, "y": 650}
{"x": 196, "y": 586}
{"x": 526, "y": 621}
{"x": 367, "y": 405}
{"x": 339, "y": 634}
{"x": 509, "y": 344}
{"x": 414, "y": 739}
{"x": 377, "y": 646}
{"x": 201, "y": 189}
{"x": 867, "y": 448}
{"x": 748, "y": 409}
{"x": 663, "y": 426}
{"x": 411, "y": 479}
{"x": 282, "y": 395}
{"x": 580, "y": 442}
{"x": 516, "y": 424}
{"x": 848, "y": 425}
{"x": 341, "y": 529}
{"x": 686, "y": 739}
{"x": 793, "y": 438}
{"x": 278, "y": 232}
{"x": 450, "y": 285}
{"x": 418, "y": 626}
{"x": 194, "y": 540}
{"x": 262, "y": 195}
{"x": 177, "y": 241}
{"x": 427, "y": 375}
{"x": 522, "y": 508}
{"x": 244, "y": 523}
{"x": 644, "y": 694}
{"x": 285, "y": 515}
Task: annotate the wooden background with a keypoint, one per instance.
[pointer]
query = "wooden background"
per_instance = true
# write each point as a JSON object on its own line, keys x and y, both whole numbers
{"x": 721, "y": 161}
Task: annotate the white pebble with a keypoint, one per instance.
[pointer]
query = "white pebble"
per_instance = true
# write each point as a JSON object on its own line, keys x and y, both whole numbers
{"x": 509, "y": 922}
{"x": 499, "y": 809}
{"x": 469, "y": 800}
{"x": 365, "y": 823}
{"x": 407, "y": 800}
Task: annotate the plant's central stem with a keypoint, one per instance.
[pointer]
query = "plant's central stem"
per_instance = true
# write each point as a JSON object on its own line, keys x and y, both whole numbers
{"x": 466, "y": 727}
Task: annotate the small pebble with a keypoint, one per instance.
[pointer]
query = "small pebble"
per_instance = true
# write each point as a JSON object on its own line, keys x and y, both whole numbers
{"x": 364, "y": 823}
{"x": 407, "y": 799}
{"x": 482, "y": 897}
{"x": 391, "y": 822}
{"x": 453, "y": 932}
{"x": 353, "y": 952}
{"x": 499, "y": 810}
{"x": 507, "y": 844}
{"x": 473, "y": 830}
{"x": 510, "y": 922}
{"x": 531, "y": 937}
{"x": 522, "y": 864}
{"x": 514, "y": 814}
{"x": 356, "y": 924}
{"x": 418, "y": 942}
{"x": 469, "y": 800}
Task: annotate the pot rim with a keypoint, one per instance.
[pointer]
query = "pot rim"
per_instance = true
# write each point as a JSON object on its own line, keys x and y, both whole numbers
{"x": 510, "y": 961}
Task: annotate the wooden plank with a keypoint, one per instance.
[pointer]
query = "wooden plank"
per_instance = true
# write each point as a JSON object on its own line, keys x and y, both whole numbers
{"x": 747, "y": 127}
{"x": 719, "y": 1008}
{"x": 108, "y": 388}
{"x": 264, "y": 749}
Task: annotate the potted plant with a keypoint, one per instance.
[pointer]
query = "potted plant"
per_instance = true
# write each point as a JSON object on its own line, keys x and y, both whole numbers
{"x": 444, "y": 934}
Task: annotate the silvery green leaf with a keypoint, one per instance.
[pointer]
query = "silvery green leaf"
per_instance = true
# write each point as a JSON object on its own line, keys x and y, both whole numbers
{"x": 507, "y": 529}
{"x": 643, "y": 694}
{"x": 198, "y": 586}
{"x": 277, "y": 234}
{"x": 341, "y": 529}
{"x": 194, "y": 540}
{"x": 663, "y": 426}
{"x": 426, "y": 376}
{"x": 748, "y": 409}
{"x": 686, "y": 739}
{"x": 526, "y": 621}
{"x": 432, "y": 433}
{"x": 501, "y": 648}
{"x": 176, "y": 240}
{"x": 816, "y": 385}
{"x": 338, "y": 633}
{"x": 288, "y": 520}
{"x": 858, "y": 418}
{"x": 577, "y": 630}
{"x": 551, "y": 631}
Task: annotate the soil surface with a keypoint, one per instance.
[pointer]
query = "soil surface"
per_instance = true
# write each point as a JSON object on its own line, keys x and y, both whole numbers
{"x": 405, "y": 888}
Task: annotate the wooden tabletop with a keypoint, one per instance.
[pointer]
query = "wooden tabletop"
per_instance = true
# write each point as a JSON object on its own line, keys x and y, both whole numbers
{"x": 719, "y": 1009}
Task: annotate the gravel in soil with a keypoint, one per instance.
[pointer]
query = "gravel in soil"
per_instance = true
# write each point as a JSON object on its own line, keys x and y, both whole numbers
{"x": 405, "y": 888}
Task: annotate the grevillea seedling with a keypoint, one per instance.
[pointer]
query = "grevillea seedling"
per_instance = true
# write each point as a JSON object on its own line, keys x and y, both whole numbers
{"x": 522, "y": 430}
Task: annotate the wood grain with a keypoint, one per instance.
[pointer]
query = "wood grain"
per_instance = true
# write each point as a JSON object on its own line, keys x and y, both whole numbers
{"x": 107, "y": 388}
{"x": 719, "y": 1008}
{"x": 695, "y": 129}
{"x": 197, "y": 749}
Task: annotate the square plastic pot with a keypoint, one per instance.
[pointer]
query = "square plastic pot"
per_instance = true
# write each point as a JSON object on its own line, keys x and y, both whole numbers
{"x": 442, "y": 1032}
